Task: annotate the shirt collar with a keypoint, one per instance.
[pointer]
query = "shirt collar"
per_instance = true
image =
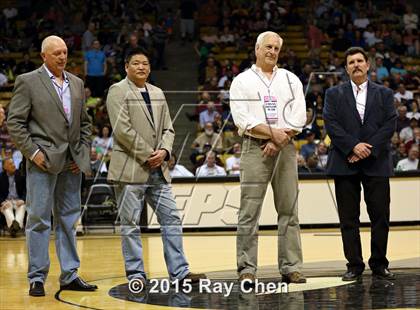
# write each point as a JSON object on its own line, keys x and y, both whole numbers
{"x": 52, "y": 76}
{"x": 258, "y": 69}
{"x": 361, "y": 87}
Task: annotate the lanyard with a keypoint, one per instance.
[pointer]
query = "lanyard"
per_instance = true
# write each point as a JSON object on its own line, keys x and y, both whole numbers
{"x": 265, "y": 84}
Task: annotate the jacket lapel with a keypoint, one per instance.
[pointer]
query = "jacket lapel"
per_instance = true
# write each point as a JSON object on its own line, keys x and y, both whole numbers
{"x": 139, "y": 97}
{"x": 348, "y": 93}
{"x": 48, "y": 85}
{"x": 371, "y": 90}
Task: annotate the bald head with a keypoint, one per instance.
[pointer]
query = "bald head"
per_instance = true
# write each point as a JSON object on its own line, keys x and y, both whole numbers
{"x": 54, "y": 54}
{"x": 50, "y": 41}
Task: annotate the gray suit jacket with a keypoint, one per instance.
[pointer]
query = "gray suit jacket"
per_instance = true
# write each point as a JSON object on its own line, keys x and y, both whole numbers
{"x": 37, "y": 120}
{"x": 136, "y": 135}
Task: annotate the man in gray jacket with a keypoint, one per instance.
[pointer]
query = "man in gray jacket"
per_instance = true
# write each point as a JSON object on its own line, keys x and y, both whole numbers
{"x": 48, "y": 123}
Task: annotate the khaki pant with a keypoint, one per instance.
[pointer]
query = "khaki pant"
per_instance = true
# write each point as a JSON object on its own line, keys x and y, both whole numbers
{"x": 256, "y": 173}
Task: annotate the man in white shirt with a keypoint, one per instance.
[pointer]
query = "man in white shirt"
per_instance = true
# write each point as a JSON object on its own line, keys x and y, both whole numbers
{"x": 402, "y": 93}
{"x": 268, "y": 107}
{"x": 210, "y": 169}
{"x": 176, "y": 170}
{"x": 411, "y": 162}
{"x": 233, "y": 162}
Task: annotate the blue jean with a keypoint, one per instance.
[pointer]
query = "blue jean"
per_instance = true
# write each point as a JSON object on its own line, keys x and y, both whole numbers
{"x": 158, "y": 195}
{"x": 59, "y": 193}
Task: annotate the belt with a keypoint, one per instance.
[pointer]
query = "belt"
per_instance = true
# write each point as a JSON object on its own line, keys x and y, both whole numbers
{"x": 258, "y": 140}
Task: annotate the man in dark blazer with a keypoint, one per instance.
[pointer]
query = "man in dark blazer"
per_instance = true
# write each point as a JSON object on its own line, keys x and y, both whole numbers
{"x": 48, "y": 122}
{"x": 360, "y": 119}
{"x": 12, "y": 196}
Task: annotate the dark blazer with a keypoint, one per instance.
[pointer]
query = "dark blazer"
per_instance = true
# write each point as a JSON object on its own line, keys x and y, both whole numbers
{"x": 345, "y": 128}
{"x": 20, "y": 182}
{"x": 37, "y": 119}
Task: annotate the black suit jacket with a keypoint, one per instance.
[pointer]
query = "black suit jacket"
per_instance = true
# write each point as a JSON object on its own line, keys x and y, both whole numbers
{"x": 20, "y": 182}
{"x": 345, "y": 128}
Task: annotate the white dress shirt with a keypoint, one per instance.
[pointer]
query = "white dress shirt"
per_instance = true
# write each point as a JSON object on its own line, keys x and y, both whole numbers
{"x": 360, "y": 95}
{"x": 206, "y": 171}
{"x": 180, "y": 171}
{"x": 251, "y": 90}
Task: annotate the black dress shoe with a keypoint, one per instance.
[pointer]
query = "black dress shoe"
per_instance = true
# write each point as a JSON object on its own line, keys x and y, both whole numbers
{"x": 78, "y": 284}
{"x": 383, "y": 274}
{"x": 36, "y": 289}
{"x": 352, "y": 276}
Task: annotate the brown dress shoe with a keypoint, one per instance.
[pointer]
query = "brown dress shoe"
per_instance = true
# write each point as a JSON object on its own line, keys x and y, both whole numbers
{"x": 293, "y": 277}
{"x": 193, "y": 277}
{"x": 248, "y": 279}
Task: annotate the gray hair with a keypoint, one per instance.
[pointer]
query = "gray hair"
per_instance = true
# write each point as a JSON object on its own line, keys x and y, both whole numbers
{"x": 261, "y": 37}
{"x": 47, "y": 42}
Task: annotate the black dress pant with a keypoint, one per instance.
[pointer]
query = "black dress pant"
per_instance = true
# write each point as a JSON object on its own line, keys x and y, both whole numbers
{"x": 377, "y": 198}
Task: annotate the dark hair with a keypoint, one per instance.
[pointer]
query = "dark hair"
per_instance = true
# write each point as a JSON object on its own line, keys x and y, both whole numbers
{"x": 133, "y": 52}
{"x": 355, "y": 50}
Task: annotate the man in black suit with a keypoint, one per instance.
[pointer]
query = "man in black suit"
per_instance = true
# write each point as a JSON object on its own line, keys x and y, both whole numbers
{"x": 360, "y": 119}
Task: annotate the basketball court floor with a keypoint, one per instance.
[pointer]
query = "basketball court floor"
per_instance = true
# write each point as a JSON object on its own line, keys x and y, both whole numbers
{"x": 214, "y": 254}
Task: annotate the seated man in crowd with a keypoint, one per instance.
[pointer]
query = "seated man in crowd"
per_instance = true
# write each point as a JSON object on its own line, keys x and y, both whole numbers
{"x": 12, "y": 196}
{"x": 96, "y": 164}
{"x": 210, "y": 169}
{"x": 207, "y": 137}
{"x": 308, "y": 148}
{"x": 411, "y": 162}
{"x": 176, "y": 170}
{"x": 208, "y": 115}
{"x": 232, "y": 162}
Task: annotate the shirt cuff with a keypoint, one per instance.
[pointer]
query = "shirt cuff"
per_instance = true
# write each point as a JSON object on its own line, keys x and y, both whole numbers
{"x": 34, "y": 154}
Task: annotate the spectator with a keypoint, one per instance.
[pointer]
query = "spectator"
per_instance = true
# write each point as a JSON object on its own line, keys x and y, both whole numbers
{"x": 88, "y": 37}
{"x": 25, "y": 66}
{"x": 361, "y": 21}
{"x": 402, "y": 120}
{"x": 301, "y": 164}
{"x": 210, "y": 169}
{"x": 310, "y": 125}
{"x": 208, "y": 137}
{"x": 103, "y": 142}
{"x": 96, "y": 165}
{"x": 403, "y": 95}
{"x": 95, "y": 69}
{"x": 414, "y": 110}
{"x": 187, "y": 12}
{"x": 322, "y": 154}
{"x": 233, "y": 162}
{"x": 398, "y": 68}
{"x": 312, "y": 163}
{"x": 415, "y": 140}
{"x": 12, "y": 196}
{"x": 160, "y": 38}
{"x": 177, "y": 170}
{"x": 340, "y": 43}
{"x": 381, "y": 71}
{"x": 207, "y": 116}
{"x": 407, "y": 133}
{"x": 400, "y": 154}
{"x": 310, "y": 146}
{"x": 411, "y": 162}
{"x": 315, "y": 36}
{"x": 410, "y": 19}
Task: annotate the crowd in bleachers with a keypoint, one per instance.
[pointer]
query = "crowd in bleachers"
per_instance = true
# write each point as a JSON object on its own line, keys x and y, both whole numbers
{"x": 315, "y": 37}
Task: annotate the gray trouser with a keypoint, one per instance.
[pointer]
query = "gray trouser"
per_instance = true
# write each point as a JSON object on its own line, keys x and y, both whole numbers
{"x": 256, "y": 173}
